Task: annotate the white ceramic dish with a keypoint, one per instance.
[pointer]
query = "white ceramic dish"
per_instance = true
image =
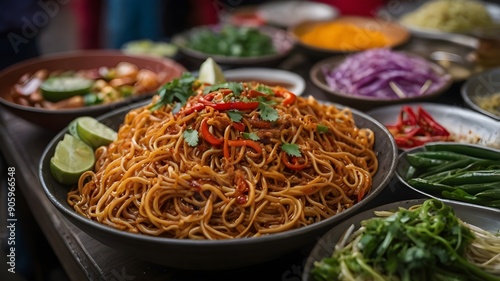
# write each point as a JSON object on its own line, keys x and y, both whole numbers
{"x": 272, "y": 77}
{"x": 472, "y": 127}
{"x": 279, "y": 13}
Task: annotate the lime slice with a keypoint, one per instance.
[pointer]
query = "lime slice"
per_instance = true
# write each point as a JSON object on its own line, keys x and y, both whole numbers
{"x": 60, "y": 88}
{"x": 72, "y": 157}
{"x": 93, "y": 132}
{"x": 211, "y": 73}
{"x": 72, "y": 128}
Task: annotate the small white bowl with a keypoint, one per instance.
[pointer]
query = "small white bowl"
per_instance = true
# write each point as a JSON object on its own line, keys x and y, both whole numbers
{"x": 269, "y": 76}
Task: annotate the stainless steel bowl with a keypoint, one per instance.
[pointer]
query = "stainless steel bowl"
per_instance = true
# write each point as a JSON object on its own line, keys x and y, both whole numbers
{"x": 487, "y": 220}
{"x": 480, "y": 87}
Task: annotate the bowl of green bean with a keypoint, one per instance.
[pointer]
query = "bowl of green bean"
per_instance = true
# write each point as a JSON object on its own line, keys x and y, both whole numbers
{"x": 467, "y": 174}
{"x": 231, "y": 45}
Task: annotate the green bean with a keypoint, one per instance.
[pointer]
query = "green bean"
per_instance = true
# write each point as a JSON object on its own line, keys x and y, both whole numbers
{"x": 469, "y": 150}
{"x": 489, "y": 194}
{"x": 440, "y": 155}
{"x": 480, "y": 176}
{"x": 419, "y": 161}
{"x": 463, "y": 196}
{"x": 475, "y": 188}
{"x": 447, "y": 167}
{"x": 429, "y": 186}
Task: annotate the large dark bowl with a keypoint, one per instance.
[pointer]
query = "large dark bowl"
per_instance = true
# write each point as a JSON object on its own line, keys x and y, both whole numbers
{"x": 76, "y": 60}
{"x": 482, "y": 86}
{"x": 485, "y": 219}
{"x": 215, "y": 254}
{"x": 282, "y": 42}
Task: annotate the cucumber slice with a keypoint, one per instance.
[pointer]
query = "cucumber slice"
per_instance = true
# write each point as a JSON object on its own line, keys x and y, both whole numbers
{"x": 60, "y": 88}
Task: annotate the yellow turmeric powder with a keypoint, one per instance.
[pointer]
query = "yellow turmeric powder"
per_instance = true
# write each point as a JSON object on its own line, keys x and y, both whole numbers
{"x": 343, "y": 36}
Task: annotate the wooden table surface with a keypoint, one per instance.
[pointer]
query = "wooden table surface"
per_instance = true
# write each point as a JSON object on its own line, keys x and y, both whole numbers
{"x": 85, "y": 258}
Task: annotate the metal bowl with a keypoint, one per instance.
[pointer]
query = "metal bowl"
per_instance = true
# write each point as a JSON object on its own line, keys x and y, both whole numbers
{"x": 487, "y": 220}
{"x": 282, "y": 41}
{"x": 402, "y": 172}
{"x": 215, "y": 254}
{"x": 57, "y": 119}
{"x": 363, "y": 103}
{"x": 466, "y": 125}
{"x": 480, "y": 87}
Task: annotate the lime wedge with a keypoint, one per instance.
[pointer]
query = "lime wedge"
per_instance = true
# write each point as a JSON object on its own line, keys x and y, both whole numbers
{"x": 72, "y": 128}
{"x": 72, "y": 157}
{"x": 93, "y": 132}
{"x": 211, "y": 73}
{"x": 63, "y": 87}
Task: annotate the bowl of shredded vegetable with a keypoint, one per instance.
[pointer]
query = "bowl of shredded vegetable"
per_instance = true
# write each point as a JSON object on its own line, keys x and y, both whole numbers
{"x": 481, "y": 93}
{"x": 52, "y": 90}
{"x": 421, "y": 239}
{"x": 379, "y": 77}
{"x": 347, "y": 34}
{"x": 232, "y": 45}
{"x": 443, "y": 17}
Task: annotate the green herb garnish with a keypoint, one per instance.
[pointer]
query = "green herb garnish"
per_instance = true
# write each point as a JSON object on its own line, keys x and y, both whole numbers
{"x": 291, "y": 149}
{"x": 178, "y": 90}
{"x": 235, "y": 87}
{"x": 267, "y": 113}
{"x": 321, "y": 128}
{"x": 251, "y": 136}
{"x": 191, "y": 137}
{"x": 235, "y": 115}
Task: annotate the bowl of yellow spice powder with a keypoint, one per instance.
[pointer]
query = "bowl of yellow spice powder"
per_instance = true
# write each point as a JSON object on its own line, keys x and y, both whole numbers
{"x": 347, "y": 34}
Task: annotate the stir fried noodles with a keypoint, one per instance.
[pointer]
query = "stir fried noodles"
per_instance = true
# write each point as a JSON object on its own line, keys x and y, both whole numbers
{"x": 233, "y": 160}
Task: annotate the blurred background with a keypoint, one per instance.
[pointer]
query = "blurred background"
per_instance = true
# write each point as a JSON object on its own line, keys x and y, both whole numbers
{"x": 32, "y": 28}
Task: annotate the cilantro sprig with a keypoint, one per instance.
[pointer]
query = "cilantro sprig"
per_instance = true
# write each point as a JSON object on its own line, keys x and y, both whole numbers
{"x": 267, "y": 112}
{"x": 235, "y": 87}
{"x": 291, "y": 149}
{"x": 235, "y": 115}
{"x": 251, "y": 136}
{"x": 178, "y": 90}
{"x": 191, "y": 137}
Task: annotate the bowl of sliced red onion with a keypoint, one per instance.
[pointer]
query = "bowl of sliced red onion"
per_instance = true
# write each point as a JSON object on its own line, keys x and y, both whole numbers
{"x": 379, "y": 77}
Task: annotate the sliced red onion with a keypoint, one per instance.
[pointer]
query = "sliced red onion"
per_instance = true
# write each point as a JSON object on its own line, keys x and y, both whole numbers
{"x": 375, "y": 73}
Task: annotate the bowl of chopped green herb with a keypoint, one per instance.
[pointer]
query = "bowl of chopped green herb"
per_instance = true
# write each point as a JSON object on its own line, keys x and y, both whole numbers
{"x": 235, "y": 45}
{"x": 421, "y": 239}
